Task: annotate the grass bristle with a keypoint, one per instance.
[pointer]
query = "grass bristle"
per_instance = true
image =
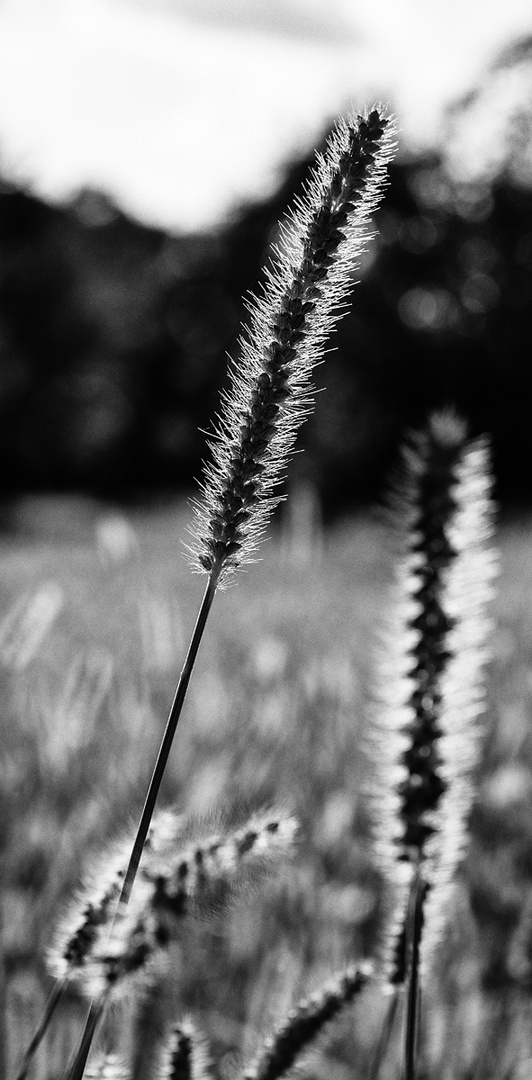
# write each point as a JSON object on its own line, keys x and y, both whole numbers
{"x": 90, "y": 915}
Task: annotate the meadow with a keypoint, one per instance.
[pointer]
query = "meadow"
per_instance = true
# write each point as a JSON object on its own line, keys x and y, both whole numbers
{"x": 96, "y": 610}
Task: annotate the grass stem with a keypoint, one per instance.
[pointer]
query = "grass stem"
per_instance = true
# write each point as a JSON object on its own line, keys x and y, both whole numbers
{"x": 414, "y": 928}
{"x": 167, "y": 740}
{"x": 98, "y": 1006}
{"x": 51, "y": 1005}
{"x": 383, "y": 1043}
{"x": 96, "y": 1012}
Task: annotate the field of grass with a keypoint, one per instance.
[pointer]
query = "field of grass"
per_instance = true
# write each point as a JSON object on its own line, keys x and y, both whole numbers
{"x": 276, "y": 713}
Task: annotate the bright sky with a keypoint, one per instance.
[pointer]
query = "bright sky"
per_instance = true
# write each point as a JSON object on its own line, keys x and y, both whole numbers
{"x": 181, "y": 108}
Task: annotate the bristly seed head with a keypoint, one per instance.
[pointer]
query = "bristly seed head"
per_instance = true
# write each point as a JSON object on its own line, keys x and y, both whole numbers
{"x": 424, "y": 733}
{"x": 128, "y": 951}
{"x": 91, "y": 914}
{"x": 190, "y": 878}
{"x": 305, "y": 1023}
{"x": 186, "y": 870}
{"x": 270, "y": 392}
{"x": 80, "y": 927}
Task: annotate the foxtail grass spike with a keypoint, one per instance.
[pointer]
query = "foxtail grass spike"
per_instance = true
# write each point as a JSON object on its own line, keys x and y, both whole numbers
{"x": 174, "y": 882}
{"x": 91, "y": 914}
{"x": 185, "y": 1055}
{"x": 305, "y": 1023}
{"x": 174, "y": 879}
{"x": 81, "y": 925}
{"x": 270, "y": 393}
{"x": 306, "y": 286}
{"x": 187, "y": 878}
{"x": 424, "y": 734}
{"x": 127, "y": 952}
{"x": 469, "y": 590}
{"x": 108, "y": 952}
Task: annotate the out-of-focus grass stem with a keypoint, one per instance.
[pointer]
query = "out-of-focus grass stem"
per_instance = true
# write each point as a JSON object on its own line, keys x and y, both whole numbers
{"x": 413, "y": 940}
{"x": 53, "y": 1000}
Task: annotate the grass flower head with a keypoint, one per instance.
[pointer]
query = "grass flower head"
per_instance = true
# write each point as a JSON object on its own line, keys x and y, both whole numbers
{"x": 305, "y": 1022}
{"x": 309, "y": 278}
{"x": 425, "y": 732}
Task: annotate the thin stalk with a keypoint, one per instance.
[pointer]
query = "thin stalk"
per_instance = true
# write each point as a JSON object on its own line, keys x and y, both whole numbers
{"x": 415, "y": 925}
{"x": 96, "y": 1012}
{"x": 167, "y": 740}
{"x": 40, "y": 1032}
{"x": 383, "y": 1043}
{"x": 97, "y": 1007}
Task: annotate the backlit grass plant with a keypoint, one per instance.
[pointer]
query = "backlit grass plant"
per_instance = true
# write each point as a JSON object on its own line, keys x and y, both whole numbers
{"x": 304, "y": 292}
{"x": 422, "y": 744}
{"x": 146, "y": 892}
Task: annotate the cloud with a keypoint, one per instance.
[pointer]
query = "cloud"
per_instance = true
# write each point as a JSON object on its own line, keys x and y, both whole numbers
{"x": 301, "y": 19}
{"x": 181, "y": 109}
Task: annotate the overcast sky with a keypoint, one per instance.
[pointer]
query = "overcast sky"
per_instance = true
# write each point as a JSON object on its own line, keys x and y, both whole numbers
{"x": 181, "y": 108}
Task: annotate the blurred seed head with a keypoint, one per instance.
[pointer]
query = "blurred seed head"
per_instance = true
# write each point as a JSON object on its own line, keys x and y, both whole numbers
{"x": 185, "y": 1055}
{"x": 424, "y": 734}
{"x": 185, "y": 871}
{"x": 305, "y": 1023}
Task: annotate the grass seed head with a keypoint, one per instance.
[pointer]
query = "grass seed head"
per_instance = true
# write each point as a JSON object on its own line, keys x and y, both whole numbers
{"x": 90, "y": 916}
{"x": 186, "y": 870}
{"x": 128, "y": 952}
{"x": 93, "y": 908}
{"x": 310, "y": 276}
{"x": 423, "y": 741}
{"x": 200, "y": 874}
{"x": 305, "y": 1023}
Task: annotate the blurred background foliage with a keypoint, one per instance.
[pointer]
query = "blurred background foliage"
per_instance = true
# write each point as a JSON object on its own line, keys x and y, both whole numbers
{"x": 113, "y": 336}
